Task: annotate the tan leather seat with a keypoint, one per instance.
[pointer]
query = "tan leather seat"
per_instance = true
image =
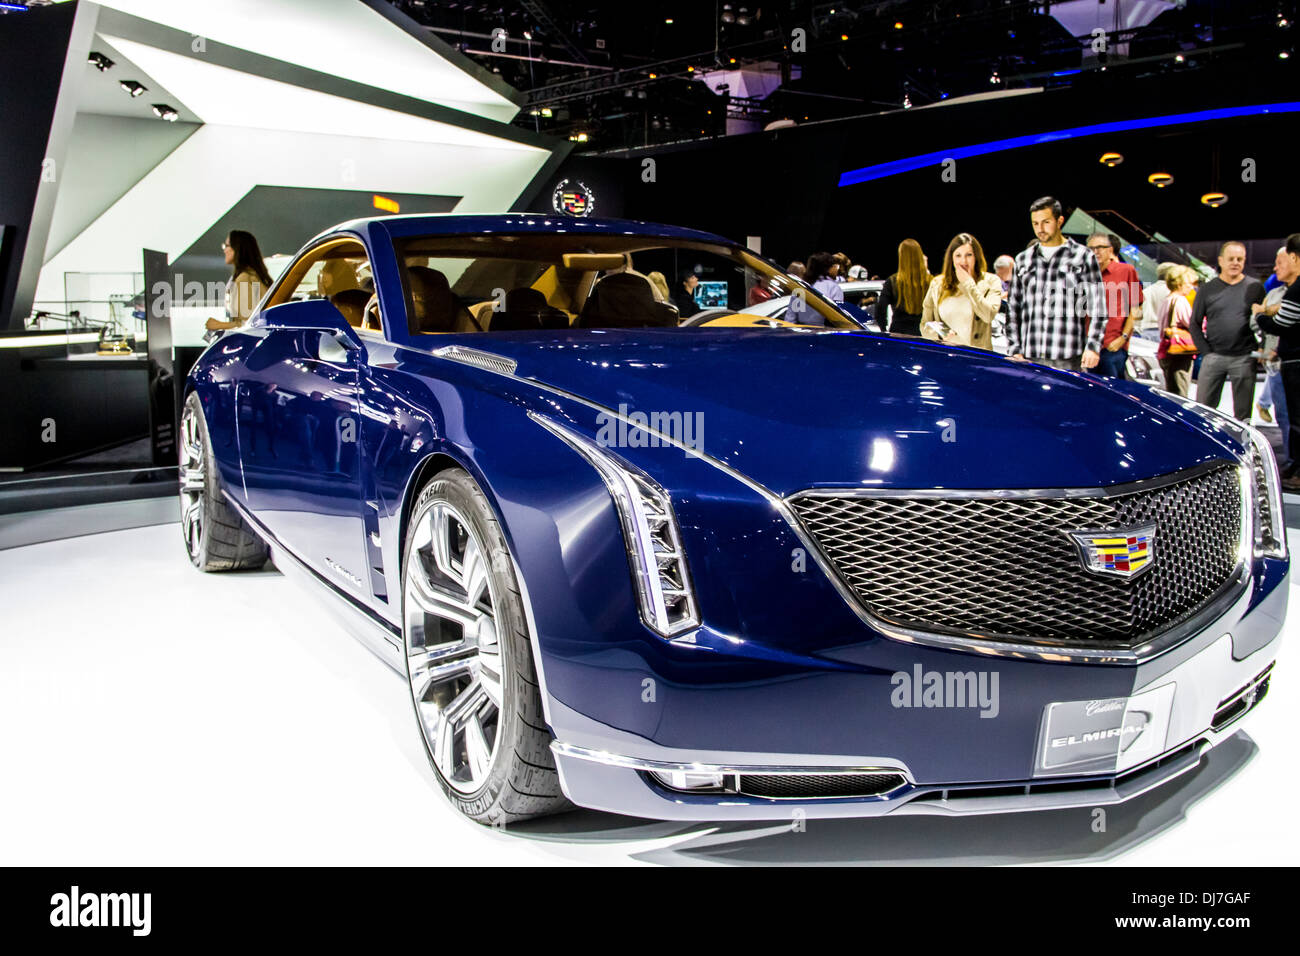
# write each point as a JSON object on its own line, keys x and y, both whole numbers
{"x": 625, "y": 300}
{"x": 526, "y": 309}
{"x": 352, "y": 303}
{"x": 433, "y": 306}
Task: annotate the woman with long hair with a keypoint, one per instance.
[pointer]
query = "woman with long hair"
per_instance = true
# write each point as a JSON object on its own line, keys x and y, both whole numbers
{"x": 904, "y": 291}
{"x": 248, "y": 281}
{"x": 963, "y": 300}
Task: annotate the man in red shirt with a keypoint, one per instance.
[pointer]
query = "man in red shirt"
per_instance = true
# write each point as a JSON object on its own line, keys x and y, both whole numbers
{"x": 1123, "y": 304}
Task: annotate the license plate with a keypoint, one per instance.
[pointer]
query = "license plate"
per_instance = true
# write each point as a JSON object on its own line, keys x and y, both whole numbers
{"x": 1104, "y": 736}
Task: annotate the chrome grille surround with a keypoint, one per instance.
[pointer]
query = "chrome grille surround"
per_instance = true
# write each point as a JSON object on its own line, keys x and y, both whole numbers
{"x": 996, "y": 571}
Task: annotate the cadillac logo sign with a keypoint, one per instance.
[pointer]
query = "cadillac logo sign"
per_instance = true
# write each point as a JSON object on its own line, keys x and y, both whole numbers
{"x": 573, "y": 198}
{"x": 1126, "y": 552}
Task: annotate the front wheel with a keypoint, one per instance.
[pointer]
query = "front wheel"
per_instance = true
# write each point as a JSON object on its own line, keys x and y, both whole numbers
{"x": 216, "y": 537}
{"x": 469, "y": 659}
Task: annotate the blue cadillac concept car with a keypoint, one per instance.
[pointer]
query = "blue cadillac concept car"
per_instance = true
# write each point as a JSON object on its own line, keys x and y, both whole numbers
{"x": 725, "y": 566}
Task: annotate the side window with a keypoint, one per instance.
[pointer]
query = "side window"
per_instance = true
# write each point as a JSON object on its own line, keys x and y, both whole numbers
{"x": 337, "y": 270}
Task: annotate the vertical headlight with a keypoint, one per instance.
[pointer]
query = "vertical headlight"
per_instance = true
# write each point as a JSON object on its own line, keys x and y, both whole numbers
{"x": 1270, "y": 513}
{"x": 1266, "y": 484}
{"x": 660, "y": 575}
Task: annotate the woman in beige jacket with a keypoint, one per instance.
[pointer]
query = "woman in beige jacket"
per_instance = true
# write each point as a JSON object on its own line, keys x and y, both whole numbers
{"x": 963, "y": 300}
{"x": 249, "y": 280}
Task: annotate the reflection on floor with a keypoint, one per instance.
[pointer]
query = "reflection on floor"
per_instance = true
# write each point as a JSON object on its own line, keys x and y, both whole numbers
{"x": 155, "y": 715}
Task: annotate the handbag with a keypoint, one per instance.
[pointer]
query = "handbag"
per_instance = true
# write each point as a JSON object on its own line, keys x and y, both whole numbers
{"x": 1181, "y": 342}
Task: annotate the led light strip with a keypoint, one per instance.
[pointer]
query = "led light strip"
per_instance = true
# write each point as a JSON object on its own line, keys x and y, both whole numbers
{"x": 911, "y": 163}
{"x": 631, "y": 492}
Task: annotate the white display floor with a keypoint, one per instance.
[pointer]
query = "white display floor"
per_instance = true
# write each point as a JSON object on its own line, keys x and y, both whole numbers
{"x": 153, "y": 715}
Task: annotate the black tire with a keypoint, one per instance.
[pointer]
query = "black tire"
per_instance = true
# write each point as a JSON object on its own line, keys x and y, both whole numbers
{"x": 224, "y": 541}
{"x": 522, "y": 782}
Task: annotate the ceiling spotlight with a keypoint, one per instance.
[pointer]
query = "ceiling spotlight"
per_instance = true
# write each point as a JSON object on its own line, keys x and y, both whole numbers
{"x": 1284, "y": 54}
{"x": 547, "y": 112}
{"x": 577, "y": 137}
{"x": 994, "y": 78}
{"x": 1160, "y": 180}
{"x": 907, "y": 102}
{"x": 742, "y": 18}
{"x": 1111, "y": 159}
{"x": 898, "y": 24}
{"x": 1214, "y": 200}
{"x": 132, "y": 87}
{"x": 727, "y": 15}
{"x": 844, "y": 36}
{"x": 1283, "y": 23}
{"x": 1180, "y": 58}
{"x": 669, "y": 21}
{"x": 528, "y": 35}
{"x": 165, "y": 112}
{"x": 99, "y": 62}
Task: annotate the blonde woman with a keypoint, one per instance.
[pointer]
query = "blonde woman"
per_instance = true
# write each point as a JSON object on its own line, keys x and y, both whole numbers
{"x": 964, "y": 299}
{"x": 1175, "y": 353}
{"x": 658, "y": 280}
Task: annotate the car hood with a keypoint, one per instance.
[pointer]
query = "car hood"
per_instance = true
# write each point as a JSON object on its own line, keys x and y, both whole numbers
{"x": 794, "y": 409}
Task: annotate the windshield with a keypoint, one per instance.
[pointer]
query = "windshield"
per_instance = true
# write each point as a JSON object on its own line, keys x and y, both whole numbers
{"x": 509, "y": 283}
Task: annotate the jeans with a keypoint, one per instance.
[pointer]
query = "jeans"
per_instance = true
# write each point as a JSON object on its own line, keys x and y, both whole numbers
{"x": 1290, "y": 376}
{"x": 1240, "y": 370}
{"x": 1275, "y": 391}
{"x": 1112, "y": 363}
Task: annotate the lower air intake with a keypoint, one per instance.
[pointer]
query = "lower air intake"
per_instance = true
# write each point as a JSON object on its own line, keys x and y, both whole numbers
{"x": 813, "y": 786}
{"x": 1243, "y": 700}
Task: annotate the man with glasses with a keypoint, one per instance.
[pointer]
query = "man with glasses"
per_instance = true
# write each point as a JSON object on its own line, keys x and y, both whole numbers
{"x": 1123, "y": 304}
{"x": 1223, "y": 334}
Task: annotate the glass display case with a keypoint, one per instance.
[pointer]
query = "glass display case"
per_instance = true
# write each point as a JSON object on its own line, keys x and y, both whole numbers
{"x": 102, "y": 316}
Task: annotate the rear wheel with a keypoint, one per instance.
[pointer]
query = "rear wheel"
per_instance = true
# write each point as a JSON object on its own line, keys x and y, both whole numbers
{"x": 469, "y": 661}
{"x": 216, "y": 537}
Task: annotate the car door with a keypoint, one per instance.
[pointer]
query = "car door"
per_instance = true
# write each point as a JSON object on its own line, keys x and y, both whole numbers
{"x": 299, "y": 438}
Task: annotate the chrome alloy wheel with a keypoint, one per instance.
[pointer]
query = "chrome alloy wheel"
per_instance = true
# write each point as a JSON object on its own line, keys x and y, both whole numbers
{"x": 193, "y": 481}
{"x": 453, "y": 654}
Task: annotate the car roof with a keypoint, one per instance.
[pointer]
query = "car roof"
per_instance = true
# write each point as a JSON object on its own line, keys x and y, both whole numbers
{"x": 511, "y": 222}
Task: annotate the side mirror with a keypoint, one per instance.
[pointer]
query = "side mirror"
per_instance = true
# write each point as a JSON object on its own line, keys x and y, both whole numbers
{"x": 313, "y": 314}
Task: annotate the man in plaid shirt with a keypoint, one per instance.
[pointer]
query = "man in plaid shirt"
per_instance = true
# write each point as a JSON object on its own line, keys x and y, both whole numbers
{"x": 1057, "y": 303}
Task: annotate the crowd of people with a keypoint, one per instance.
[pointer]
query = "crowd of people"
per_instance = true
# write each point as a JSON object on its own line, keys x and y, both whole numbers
{"x": 1076, "y": 306}
{"x": 1065, "y": 304}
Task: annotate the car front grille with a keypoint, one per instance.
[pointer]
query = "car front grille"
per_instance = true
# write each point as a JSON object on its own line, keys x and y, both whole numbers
{"x": 1006, "y": 568}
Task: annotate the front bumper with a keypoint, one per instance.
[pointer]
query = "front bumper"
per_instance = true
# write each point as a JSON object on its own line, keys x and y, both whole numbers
{"x": 610, "y": 769}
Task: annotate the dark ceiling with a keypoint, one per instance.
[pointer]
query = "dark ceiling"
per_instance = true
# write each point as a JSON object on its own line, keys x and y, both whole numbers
{"x": 618, "y": 75}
